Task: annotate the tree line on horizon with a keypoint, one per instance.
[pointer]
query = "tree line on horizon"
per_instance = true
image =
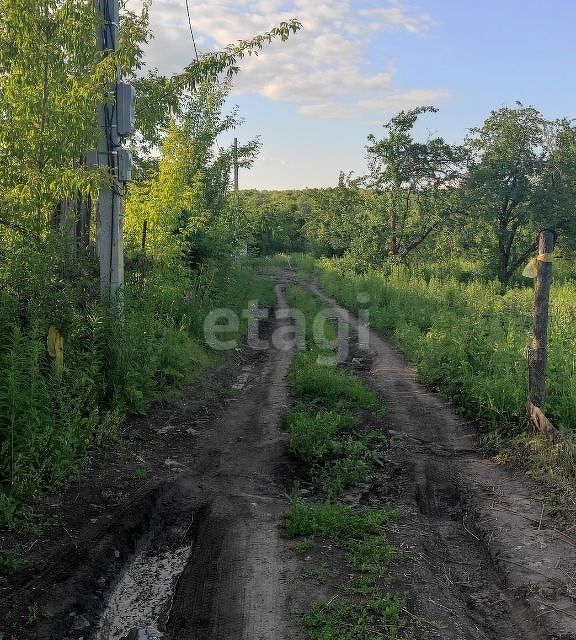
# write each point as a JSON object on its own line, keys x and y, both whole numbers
{"x": 484, "y": 200}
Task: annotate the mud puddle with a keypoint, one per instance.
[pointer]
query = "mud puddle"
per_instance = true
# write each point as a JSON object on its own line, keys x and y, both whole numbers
{"x": 138, "y": 604}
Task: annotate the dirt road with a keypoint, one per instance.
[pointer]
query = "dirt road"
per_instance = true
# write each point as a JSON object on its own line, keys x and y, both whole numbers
{"x": 486, "y": 561}
{"x": 193, "y": 551}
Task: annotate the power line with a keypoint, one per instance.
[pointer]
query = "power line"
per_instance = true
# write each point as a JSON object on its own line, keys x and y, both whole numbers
{"x": 196, "y": 50}
{"x": 191, "y": 30}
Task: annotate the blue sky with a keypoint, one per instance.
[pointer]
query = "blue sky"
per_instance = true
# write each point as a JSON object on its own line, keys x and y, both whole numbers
{"x": 314, "y": 100}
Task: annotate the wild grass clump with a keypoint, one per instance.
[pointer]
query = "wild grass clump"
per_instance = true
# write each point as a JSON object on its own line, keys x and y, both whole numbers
{"x": 372, "y": 554}
{"x": 351, "y": 468}
{"x": 337, "y": 520}
{"x": 380, "y": 617}
{"x": 333, "y": 387}
{"x": 312, "y": 434}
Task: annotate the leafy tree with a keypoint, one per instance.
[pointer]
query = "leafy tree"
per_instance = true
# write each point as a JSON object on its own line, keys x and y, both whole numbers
{"x": 273, "y": 220}
{"x": 184, "y": 201}
{"x": 520, "y": 180}
{"x": 416, "y": 181}
{"x": 50, "y": 83}
{"x": 338, "y": 215}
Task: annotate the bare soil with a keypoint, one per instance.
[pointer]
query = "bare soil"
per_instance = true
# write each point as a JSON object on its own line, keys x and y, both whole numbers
{"x": 174, "y": 532}
{"x": 485, "y": 559}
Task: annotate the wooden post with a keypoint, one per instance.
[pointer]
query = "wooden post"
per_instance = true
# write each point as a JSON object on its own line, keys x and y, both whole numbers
{"x": 538, "y": 352}
{"x": 144, "y": 235}
{"x": 235, "y": 160}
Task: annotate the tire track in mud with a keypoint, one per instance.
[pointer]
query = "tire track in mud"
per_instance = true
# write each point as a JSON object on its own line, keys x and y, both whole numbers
{"x": 483, "y": 564}
{"x": 237, "y": 577}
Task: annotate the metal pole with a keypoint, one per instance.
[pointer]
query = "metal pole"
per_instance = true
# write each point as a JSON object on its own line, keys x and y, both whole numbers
{"x": 110, "y": 200}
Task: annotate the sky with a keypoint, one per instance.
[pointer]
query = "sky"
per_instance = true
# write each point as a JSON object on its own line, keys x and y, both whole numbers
{"x": 314, "y": 99}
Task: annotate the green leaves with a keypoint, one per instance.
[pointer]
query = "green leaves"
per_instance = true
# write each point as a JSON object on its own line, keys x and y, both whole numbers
{"x": 161, "y": 98}
{"x": 521, "y": 179}
{"x": 416, "y": 182}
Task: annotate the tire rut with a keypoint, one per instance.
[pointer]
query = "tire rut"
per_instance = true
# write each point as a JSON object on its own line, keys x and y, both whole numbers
{"x": 476, "y": 568}
{"x": 235, "y": 585}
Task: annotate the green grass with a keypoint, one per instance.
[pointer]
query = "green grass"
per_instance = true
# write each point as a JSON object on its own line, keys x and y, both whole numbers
{"x": 378, "y": 619}
{"x": 323, "y": 433}
{"x": 466, "y": 337}
{"x": 364, "y": 585}
{"x": 312, "y": 434}
{"x": 113, "y": 366}
{"x": 318, "y": 574}
{"x": 333, "y": 387}
{"x": 305, "y": 544}
{"x": 372, "y": 554}
{"x": 10, "y": 561}
{"x": 351, "y": 469}
{"x": 141, "y": 473}
{"x": 335, "y": 520}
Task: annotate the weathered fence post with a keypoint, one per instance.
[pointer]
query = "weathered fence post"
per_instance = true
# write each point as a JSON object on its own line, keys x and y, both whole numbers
{"x": 538, "y": 353}
{"x": 538, "y": 350}
{"x": 144, "y": 235}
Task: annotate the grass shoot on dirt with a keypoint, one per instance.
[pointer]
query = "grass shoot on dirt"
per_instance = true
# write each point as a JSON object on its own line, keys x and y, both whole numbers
{"x": 378, "y": 618}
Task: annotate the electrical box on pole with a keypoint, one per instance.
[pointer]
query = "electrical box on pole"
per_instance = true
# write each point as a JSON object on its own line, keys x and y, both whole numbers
{"x": 124, "y": 165}
{"x": 124, "y": 110}
{"x": 116, "y": 122}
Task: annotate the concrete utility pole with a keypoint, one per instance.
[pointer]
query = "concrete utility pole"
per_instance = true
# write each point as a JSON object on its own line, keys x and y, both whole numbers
{"x": 116, "y": 120}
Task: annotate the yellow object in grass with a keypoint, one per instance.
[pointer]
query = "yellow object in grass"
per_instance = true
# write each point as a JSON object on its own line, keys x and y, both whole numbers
{"x": 55, "y": 344}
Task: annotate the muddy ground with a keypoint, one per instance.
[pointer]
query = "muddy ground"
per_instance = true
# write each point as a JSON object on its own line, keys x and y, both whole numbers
{"x": 175, "y": 530}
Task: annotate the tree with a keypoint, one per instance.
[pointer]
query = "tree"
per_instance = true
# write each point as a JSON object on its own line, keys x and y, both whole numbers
{"x": 416, "y": 181}
{"x": 520, "y": 179}
{"x": 338, "y": 214}
{"x": 273, "y": 220}
{"x": 184, "y": 201}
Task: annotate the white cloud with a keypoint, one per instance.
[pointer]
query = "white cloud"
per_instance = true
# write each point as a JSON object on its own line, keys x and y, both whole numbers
{"x": 397, "y": 16}
{"x": 374, "y": 106}
{"x": 322, "y": 68}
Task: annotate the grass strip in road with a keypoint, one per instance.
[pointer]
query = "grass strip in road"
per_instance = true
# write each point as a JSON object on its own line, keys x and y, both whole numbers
{"x": 335, "y": 520}
{"x": 378, "y": 618}
{"x": 355, "y": 465}
{"x": 329, "y": 385}
{"x": 312, "y": 434}
{"x": 328, "y": 433}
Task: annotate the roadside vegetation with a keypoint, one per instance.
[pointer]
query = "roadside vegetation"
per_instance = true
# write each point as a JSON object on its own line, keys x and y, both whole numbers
{"x": 433, "y": 242}
{"x": 333, "y": 430}
{"x": 71, "y": 366}
{"x": 469, "y": 340}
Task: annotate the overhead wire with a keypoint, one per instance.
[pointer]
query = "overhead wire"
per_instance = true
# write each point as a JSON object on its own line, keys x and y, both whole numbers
{"x": 191, "y": 30}
{"x": 196, "y": 51}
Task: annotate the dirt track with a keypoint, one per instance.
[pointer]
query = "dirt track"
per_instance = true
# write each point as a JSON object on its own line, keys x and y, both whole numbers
{"x": 487, "y": 561}
{"x": 196, "y": 551}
